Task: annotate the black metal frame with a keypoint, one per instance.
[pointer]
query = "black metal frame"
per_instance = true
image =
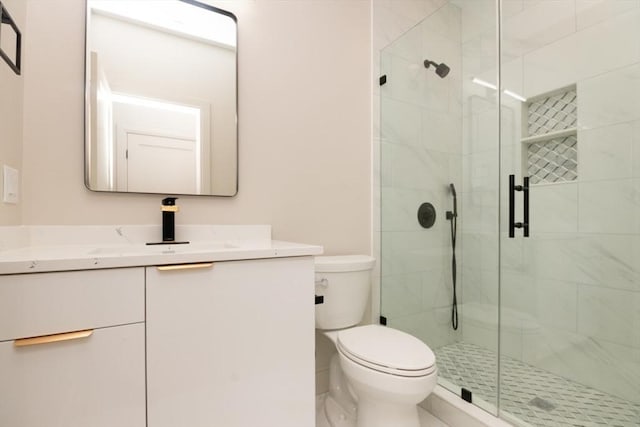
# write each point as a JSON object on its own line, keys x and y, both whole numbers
{"x": 5, "y": 18}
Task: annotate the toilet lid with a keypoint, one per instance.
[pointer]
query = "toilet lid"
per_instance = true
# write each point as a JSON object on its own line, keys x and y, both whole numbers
{"x": 387, "y": 350}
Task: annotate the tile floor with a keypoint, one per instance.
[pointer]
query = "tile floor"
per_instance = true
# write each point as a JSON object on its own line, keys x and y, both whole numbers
{"x": 426, "y": 419}
{"x": 535, "y": 396}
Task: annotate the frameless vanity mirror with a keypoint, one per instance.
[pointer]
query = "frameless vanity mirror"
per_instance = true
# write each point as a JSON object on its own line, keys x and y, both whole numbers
{"x": 161, "y": 98}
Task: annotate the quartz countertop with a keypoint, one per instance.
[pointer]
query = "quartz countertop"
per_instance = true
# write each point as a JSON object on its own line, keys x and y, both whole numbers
{"x": 35, "y": 249}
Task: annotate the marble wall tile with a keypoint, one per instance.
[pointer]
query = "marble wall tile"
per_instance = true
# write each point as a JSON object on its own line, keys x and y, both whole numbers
{"x": 554, "y": 208}
{"x": 537, "y": 26}
{"x": 400, "y": 206}
{"x": 401, "y": 295}
{"x": 590, "y": 12}
{"x": 599, "y": 364}
{"x": 415, "y": 251}
{"x": 420, "y": 168}
{"x": 606, "y": 153}
{"x": 610, "y": 98}
{"x": 606, "y": 314}
{"x": 636, "y": 148}
{"x": 599, "y": 202}
{"x": 432, "y": 327}
{"x": 441, "y": 131}
{"x": 437, "y": 290}
{"x": 480, "y": 285}
{"x": 400, "y": 122}
{"x": 479, "y": 211}
{"x": 615, "y": 43}
{"x": 385, "y": 165}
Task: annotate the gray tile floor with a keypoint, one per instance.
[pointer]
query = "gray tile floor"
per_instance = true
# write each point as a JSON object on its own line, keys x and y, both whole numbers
{"x": 535, "y": 396}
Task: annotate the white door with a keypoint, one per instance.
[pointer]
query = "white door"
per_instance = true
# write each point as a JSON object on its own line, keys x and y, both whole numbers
{"x": 161, "y": 164}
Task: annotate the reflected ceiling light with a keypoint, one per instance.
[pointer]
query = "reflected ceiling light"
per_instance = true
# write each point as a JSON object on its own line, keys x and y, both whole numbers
{"x": 152, "y": 103}
{"x": 515, "y": 95}
{"x": 492, "y": 86}
{"x": 176, "y": 16}
{"x": 483, "y": 83}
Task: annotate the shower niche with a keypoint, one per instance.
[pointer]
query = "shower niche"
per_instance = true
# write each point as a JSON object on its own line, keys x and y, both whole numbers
{"x": 550, "y": 136}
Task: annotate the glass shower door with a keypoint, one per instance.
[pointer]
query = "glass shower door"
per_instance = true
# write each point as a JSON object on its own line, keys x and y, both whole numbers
{"x": 439, "y": 162}
{"x": 570, "y": 292}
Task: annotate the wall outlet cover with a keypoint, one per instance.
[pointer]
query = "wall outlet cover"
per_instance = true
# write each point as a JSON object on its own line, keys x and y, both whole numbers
{"x": 11, "y": 185}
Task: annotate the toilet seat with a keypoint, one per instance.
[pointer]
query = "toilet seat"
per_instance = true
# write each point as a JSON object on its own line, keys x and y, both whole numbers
{"x": 386, "y": 350}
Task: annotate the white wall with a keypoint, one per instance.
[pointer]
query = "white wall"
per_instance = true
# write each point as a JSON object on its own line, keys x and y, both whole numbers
{"x": 305, "y": 144}
{"x": 11, "y": 110}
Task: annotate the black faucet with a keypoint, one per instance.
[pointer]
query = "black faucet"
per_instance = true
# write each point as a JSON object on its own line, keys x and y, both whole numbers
{"x": 169, "y": 210}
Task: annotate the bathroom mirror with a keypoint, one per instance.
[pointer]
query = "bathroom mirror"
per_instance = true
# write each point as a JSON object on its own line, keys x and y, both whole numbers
{"x": 161, "y": 98}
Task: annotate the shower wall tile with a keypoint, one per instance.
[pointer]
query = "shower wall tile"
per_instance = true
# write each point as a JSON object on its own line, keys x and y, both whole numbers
{"x": 480, "y": 286}
{"x": 441, "y": 131}
{"x": 437, "y": 287}
{"x": 610, "y": 98}
{"x": 599, "y": 364}
{"x": 518, "y": 296}
{"x": 554, "y": 208}
{"x": 481, "y": 128}
{"x": 415, "y": 252}
{"x": 554, "y": 256}
{"x": 385, "y": 165}
{"x": 400, "y": 206}
{"x": 479, "y": 322}
{"x": 479, "y": 211}
{"x": 607, "y": 314}
{"x": 609, "y": 260}
{"x": 400, "y": 122}
{"x": 608, "y": 206}
{"x": 555, "y": 304}
{"x": 402, "y": 294}
{"x": 590, "y": 12}
{"x": 432, "y": 327}
{"x": 392, "y": 18}
{"x": 532, "y": 28}
{"x": 422, "y": 169}
{"x": 478, "y": 17}
{"x": 606, "y": 152}
{"x": 636, "y": 148}
{"x": 588, "y": 53}
{"x": 480, "y": 170}
{"x": 444, "y": 23}
{"x": 480, "y": 251}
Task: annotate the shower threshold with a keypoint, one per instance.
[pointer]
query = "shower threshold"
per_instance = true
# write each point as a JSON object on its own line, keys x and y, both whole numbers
{"x": 537, "y": 397}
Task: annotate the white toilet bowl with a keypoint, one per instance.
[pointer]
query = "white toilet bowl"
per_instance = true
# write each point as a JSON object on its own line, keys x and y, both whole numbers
{"x": 387, "y": 372}
{"x": 379, "y": 374}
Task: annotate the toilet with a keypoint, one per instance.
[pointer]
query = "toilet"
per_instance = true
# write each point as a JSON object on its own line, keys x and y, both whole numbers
{"x": 379, "y": 374}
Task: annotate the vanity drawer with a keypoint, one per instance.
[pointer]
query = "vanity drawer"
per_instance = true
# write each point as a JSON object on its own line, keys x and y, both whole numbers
{"x": 51, "y": 303}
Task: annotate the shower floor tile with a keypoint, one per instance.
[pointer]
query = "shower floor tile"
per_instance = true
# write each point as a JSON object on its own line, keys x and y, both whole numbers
{"x": 533, "y": 395}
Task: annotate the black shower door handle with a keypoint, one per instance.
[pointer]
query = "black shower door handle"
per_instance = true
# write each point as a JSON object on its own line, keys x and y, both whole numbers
{"x": 512, "y": 211}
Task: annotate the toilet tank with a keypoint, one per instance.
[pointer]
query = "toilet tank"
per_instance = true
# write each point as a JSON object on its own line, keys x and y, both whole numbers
{"x": 345, "y": 283}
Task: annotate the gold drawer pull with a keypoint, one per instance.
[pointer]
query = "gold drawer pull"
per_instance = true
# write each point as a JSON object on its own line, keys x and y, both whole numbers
{"x": 47, "y": 339}
{"x": 184, "y": 266}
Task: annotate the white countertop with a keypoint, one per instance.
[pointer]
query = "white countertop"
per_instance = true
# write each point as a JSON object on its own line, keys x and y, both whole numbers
{"x": 37, "y": 249}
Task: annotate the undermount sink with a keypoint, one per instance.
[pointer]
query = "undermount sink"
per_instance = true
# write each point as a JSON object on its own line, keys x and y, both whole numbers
{"x": 141, "y": 249}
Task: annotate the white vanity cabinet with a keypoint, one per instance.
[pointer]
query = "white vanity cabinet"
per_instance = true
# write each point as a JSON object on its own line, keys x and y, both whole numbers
{"x": 231, "y": 344}
{"x": 72, "y": 349}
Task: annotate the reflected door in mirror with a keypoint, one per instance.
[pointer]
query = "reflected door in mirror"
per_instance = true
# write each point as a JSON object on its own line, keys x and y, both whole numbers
{"x": 161, "y": 103}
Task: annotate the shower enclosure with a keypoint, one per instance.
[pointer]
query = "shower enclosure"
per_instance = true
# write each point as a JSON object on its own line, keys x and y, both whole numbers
{"x": 547, "y": 327}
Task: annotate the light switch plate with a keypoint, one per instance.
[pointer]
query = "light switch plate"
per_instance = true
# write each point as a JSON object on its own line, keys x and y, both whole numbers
{"x": 11, "y": 185}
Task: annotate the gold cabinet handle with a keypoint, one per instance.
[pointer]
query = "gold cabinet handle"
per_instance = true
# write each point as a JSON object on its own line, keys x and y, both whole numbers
{"x": 47, "y": 339}
{"x": 184, "y": 266}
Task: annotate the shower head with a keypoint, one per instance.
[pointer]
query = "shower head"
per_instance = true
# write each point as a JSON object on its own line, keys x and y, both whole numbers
{"x": 453, "y": 189}
{"x": 441, "y": 69}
